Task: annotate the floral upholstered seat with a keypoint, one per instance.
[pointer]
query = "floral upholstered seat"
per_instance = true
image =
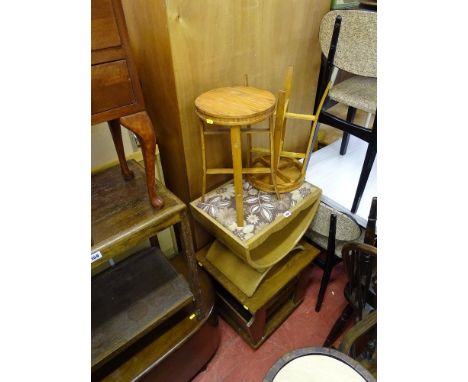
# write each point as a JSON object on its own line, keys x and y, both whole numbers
{"x": 272, "y": 227}
{"x": 260, "y": 208}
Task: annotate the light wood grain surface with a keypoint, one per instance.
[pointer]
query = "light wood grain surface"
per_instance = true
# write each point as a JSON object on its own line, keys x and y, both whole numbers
{"x": 235, "y": 103}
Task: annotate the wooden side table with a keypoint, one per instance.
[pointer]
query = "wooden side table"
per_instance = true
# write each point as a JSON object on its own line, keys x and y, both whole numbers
{"x": 235, "y": 107}
{"x": 141, "y": 292}
{"x": 116, "y": 95}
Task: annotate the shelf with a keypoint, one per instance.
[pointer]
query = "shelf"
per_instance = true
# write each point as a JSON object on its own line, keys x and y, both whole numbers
{"x": 182, "y": 339}
{"x": 132, "y": 298}
{"x": 121, "y": 215}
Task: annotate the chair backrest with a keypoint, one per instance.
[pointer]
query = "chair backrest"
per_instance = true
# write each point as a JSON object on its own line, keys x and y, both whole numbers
{"x": 360, "y": 260}
{"x": 356, "y": 51}
{"x": 360, "y": 342}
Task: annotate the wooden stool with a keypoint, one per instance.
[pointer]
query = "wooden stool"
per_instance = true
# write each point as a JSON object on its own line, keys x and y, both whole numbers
{"x": 288, "y": 167}
{"x": 235, "y": 107}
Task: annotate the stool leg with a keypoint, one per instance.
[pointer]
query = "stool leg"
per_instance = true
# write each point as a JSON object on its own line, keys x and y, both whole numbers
{"x": 141, "y": 125}
{"x": 249, "y": 147}
{"x": 202, "y": 139}
{"x": 272, "y": 161}
{"x": 237, "y": 169}
{"x": 116, "y": 132}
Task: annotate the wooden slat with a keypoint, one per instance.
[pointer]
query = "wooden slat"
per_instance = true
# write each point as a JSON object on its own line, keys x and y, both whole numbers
{"x": 252, "y": 170}
{"x": 288, "y": 154}
{"x": 305, "y": 117}
{"x": 226, "y": 131}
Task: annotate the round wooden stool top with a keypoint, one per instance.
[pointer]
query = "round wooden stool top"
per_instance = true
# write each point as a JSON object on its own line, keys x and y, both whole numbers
{"x": 317, "y": 364}
{"x": 235, "y": 106}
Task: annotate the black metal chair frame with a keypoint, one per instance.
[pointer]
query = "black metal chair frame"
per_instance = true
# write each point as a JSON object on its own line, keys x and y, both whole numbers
{"x": 348, "y": 127}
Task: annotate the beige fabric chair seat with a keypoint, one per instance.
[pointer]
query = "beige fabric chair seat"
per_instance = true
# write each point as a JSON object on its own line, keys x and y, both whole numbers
{"x": 358, "y": 92}
{"x": 346, "y": 229}
{"x": 322, "y": 241}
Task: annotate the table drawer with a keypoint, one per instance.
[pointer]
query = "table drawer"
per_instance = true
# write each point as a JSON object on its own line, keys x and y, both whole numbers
{"x": 111, "y": 86}
{"x": 104, "y": 30}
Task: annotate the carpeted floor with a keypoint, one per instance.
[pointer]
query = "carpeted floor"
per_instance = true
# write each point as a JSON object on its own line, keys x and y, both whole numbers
{"x": 235, "y": 361}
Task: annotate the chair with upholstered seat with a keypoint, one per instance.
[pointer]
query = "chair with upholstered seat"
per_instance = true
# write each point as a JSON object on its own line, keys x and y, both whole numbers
{"x": 348, "y": 39}
{"x": 331, "y": 230}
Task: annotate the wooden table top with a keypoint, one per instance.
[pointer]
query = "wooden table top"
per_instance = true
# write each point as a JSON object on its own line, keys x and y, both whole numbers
{"x": 236, "y": 105}
{"x": 120, "y": 213}
{"x": 338, "y": 175}
{"x": 317, "y": 364}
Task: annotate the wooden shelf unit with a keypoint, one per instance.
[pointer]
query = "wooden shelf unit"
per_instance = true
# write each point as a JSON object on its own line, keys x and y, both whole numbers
{"x": 144, "y": 291}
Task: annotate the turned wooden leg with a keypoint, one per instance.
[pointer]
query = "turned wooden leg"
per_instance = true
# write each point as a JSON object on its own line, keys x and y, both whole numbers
{"x": 273, "y": 168}
{"x": 116, "y": 132}
{"x": 237, "y": 169}
{"x": 141, "y": 125}
{"x": 339, "y": 325}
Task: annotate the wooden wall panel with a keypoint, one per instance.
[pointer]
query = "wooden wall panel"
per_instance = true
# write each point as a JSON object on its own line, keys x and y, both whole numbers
{"x": 186, "y": 47}
{"x": 149, "y": 38}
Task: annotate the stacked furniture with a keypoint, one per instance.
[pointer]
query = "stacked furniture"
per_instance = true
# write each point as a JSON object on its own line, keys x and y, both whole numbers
{"x": 145, "y": 316}
{"x": 257, "y": 263}
{"x": 258, "y": 269}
